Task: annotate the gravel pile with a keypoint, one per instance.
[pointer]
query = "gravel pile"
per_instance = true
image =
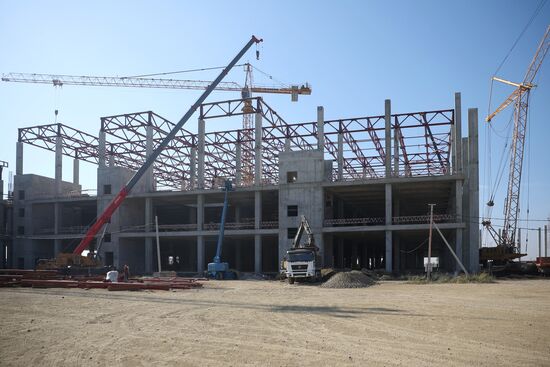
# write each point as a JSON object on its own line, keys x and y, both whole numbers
{"x": 349, "y": 279}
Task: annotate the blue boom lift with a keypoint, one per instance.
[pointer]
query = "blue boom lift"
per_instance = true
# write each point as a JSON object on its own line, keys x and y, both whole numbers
{"x": 218, "y": 269}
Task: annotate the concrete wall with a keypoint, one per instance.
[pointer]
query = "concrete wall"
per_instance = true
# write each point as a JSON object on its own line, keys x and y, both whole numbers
{"x": 306, "y": 192}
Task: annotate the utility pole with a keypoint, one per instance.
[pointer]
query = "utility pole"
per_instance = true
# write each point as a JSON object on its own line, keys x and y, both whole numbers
{"x": 158, "y": 243}
{"x": 429, "y": 269}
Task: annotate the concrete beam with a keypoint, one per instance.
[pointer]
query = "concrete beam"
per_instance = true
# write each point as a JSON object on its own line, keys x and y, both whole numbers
{"x": 320, "y": 128}
{"x": 258, "y": 150}
{"x": 200, "y": 153}
{"x": 19, "y": 158}
{"x": 473, "y": 168}
{"x": 387, "y": 137}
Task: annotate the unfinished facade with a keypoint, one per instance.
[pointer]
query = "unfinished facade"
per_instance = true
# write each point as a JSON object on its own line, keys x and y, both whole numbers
{"x": 363, "y": 183}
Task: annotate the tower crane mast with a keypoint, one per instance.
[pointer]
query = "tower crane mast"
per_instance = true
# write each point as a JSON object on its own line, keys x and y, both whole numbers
{"x": 507, "y": 241}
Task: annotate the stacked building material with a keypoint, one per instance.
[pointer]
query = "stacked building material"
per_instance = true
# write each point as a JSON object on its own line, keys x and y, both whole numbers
{"x": 51, "y": 279}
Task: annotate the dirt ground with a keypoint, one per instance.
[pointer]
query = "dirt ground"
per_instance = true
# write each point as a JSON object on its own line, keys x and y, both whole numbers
{"x": 269, "y": 323}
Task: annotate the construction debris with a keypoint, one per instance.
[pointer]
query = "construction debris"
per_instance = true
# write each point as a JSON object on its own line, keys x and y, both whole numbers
{"x": 349, "y": 279}
{"x": 51, "y": 279}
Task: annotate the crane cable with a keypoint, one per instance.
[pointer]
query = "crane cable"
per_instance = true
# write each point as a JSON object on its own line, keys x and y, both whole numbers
{"x": 177, "y": 72}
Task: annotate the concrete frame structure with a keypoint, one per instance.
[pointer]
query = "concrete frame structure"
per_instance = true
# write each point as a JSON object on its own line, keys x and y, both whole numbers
{"x": 367, "y": 204}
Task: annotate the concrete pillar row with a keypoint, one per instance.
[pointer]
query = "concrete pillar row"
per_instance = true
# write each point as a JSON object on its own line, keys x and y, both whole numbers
{"x": 200, "y": 238}
{"x": 19, "y": 159}
{"x": 200, "y": 153}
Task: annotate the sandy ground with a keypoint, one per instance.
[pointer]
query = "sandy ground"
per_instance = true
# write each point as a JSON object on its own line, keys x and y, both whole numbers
{"x": 264, "y": 323}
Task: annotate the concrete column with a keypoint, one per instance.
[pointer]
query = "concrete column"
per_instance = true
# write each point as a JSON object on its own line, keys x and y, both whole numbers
{"x": 101, "y": 149}
{"x": 200, "y": 153}
{"x": 111, "y": 157}
{"x": 397, "y": 254}
{"x": 458, "y": 214}
{"x": 287, "y": 145}
{"x": 149, "y": 240}
{"x": 76, "y": 171}
{"x": 340, "y": 156}
{"x": 149, "y": 180}
{"x": 257, "y": 253}
{"x": 257, "y": 209}
{"x": 320, "y": 128}
{"x": 238, "y": 164}
{"x": 387, "y": 118}
{"x": 473, "y": 168}
{"x": 457, "y": 135}
{"x": 465, "y": 202}
{"x": 200, "y": 254}
{"x": 258, "y": 150}
{"x": 389, "y": 249}
{"x": 200, "y": 211}
{"x": 19, "y": 158}
{"x": 56, "y": 217}
{"x": 193, "y": 168}
{"x": 58, "y": 164}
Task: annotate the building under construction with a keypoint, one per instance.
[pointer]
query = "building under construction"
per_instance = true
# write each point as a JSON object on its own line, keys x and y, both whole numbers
{"x": 363, "y": 183}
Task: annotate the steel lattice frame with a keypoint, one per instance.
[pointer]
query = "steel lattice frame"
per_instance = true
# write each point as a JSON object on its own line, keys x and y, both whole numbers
{"x": 424, "y": 143}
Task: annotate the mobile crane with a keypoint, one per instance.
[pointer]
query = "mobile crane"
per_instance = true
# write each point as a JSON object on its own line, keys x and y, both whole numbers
{"x": 218, "y": 269}
{"x": 76, "y": 257}
{"x": 507, "y": 245}
{"x": 301, "y": 261}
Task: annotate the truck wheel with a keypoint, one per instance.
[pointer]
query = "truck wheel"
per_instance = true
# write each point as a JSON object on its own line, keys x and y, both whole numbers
{"x": 219, "y": 276}
{"x": 291, "y": 280}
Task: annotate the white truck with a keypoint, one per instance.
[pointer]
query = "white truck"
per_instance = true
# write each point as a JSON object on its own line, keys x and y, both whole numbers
{"x": 301, "y": 261}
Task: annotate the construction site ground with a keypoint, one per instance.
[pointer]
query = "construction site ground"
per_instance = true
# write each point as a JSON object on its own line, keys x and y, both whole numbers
{"x": 270, "y": 323}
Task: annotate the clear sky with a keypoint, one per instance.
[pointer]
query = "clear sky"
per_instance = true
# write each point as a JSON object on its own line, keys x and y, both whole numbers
{"x": 354, "y": 53}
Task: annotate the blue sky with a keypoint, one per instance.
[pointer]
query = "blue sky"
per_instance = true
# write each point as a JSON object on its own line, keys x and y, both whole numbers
{"x": 354, "y": 53}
